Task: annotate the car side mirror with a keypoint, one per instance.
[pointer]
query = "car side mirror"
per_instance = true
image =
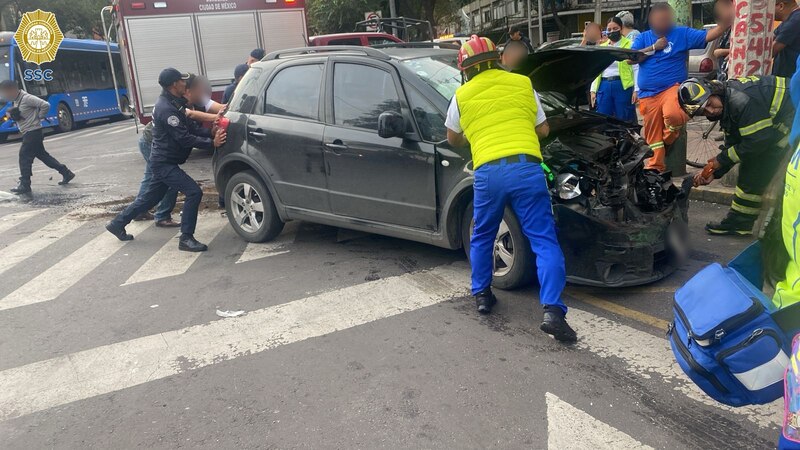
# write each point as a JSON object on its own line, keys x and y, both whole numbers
{"x": 391, "y": 124}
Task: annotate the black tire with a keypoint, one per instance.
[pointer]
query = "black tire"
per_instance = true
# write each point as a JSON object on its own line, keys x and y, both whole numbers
{"x": 3, "y": 138}
{"x": 249, "y": 223}
{"x": 66, "y": 122}
{"x": 126, "y": 109}
{"x": 522, "y": 271}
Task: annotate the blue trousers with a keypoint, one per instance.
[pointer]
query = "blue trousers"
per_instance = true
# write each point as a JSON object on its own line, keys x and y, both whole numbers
{"x": 521, "y": 185}
{"x": 167, "y": 203}
{"x": 613, "y": 100}
{"x": 165, "y": 176}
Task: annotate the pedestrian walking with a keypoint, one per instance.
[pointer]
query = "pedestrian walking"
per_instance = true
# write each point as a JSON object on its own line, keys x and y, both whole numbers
{"x": 174, "y": 137}
{"x": 786, "y": 47}
{"x": 238, "y": 74}
{"x": 755, "y": 113}
{"x": 497, "y": 113}
{"x": 28, "y": 111}
{"x": 614, "y": 92}
{"x": 664, "y": 50}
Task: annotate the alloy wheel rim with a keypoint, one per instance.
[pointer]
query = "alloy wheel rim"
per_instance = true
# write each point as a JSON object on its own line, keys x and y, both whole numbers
{"x": 503, "y": 251}
{"x": 248, "y": 207}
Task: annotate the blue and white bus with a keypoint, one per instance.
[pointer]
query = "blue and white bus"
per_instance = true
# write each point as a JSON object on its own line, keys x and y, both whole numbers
{"x": 81, "y": 88}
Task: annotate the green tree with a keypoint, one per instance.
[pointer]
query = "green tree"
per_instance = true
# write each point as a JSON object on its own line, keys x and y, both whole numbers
{"x": 337, "y": 16}
{"x": 80, "y": 17}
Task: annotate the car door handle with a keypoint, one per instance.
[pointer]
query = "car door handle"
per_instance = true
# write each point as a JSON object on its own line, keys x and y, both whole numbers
{"x": 336, "y": 146}
{"x": 257, "y": 133}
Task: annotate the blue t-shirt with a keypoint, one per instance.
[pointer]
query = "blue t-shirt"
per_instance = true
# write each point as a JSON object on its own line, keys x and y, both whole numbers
{"x": 668, "y": 66}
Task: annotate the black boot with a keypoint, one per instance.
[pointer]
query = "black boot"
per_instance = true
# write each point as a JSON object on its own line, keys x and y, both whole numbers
{"x": 67, "y": 176}
{"x": 556, "y": 325}
{"x": 485, "y": 301}
{"x": 24, "y": 187}
{"x": 189, "y": 244}
{"x": 734, "y": 224}
{"x": 119, "y": 232}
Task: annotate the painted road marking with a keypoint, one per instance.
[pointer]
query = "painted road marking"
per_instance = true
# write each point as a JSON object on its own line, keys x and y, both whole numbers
{"x": 129, "y": 128}
{"x": 647, "y": 355}
{"x": 255, "y": 251}
{"x": 168, "y": 261}
{"x": 570, "y": 428}
{"x": 102, "y": 370}
{"x": 9, "y": 221}
{"x": 64, "y": 274}
{"x": 618, "y": 309}
{"x": 35, "y": 242}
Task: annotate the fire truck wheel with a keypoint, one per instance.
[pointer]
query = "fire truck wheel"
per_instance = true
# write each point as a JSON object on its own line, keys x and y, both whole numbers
{"x": 65, "y": 120}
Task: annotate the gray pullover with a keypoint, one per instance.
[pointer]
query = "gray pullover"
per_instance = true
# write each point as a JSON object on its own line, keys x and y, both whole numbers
{"x": 33, "y": 111}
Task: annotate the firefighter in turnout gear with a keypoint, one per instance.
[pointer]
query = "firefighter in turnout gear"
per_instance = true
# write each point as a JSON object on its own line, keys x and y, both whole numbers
{"x": 499, "y": 114}
{"x": 756, "y": 114}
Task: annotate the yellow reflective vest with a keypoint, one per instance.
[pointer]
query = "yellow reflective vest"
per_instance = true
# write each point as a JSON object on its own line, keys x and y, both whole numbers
{"x": 625, "y": 69}
{"x": 498, "y": 116}
{"x": 787, "y": 292}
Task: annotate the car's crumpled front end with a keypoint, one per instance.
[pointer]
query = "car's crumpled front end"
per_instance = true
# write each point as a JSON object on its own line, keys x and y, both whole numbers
{"x": 618, "y": 224}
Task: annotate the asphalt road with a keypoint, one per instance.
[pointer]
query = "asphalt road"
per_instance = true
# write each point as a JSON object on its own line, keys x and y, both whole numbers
{"x": 347, "y": 341}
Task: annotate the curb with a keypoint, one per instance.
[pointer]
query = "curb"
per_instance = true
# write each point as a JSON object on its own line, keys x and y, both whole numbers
{"x": 719, "y": 195}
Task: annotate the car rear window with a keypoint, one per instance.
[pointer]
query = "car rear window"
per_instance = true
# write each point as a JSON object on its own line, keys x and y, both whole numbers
{"x": 349, "y": 41}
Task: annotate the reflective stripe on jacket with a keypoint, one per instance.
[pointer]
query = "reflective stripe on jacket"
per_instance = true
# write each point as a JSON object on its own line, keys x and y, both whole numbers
{"x": 787, "y": 291}
{"x": 498, "y": 116}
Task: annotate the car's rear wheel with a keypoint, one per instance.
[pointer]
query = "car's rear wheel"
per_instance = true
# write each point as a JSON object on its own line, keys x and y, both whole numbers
{"x": 514, "y": 262}
{"x": 250, "y": 208}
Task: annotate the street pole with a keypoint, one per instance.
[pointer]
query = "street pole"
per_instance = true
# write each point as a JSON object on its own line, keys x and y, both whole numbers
{"x": 598, "y": 16}
{"x": 539, "y": 13}
{"x": 392, "y": 9}
{"x": 676, "y": 156}
{"x": 530, "y": 24}
{"x": 751, "y": 39}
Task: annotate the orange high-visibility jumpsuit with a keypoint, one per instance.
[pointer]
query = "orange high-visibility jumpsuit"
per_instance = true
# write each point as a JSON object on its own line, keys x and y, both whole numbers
{"x": 663, "y": 120}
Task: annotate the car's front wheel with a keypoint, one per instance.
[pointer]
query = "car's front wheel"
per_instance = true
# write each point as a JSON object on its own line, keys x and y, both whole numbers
{"x": 514, "y": 263}
{"x": 250, "y": 208}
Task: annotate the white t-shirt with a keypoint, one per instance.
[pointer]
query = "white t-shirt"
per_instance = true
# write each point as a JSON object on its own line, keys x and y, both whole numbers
{"x": 453, "y": 120}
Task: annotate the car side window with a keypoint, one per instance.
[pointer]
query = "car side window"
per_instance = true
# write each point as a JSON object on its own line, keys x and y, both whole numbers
{"x": 348, "y": 41}
{"x": 380, "y": 41}
{"x": 429, "y": 120}
{"x": 361, "y": 93}
{"x": 294, "y": 92}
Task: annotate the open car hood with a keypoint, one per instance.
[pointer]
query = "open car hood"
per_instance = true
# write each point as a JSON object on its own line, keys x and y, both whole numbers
{"x": 567, "y": 69}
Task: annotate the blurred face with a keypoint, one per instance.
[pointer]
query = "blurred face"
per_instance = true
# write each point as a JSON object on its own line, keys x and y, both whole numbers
{"x": 8, "y": 94}
{"x": 723, "y": 10}
{"x": 713, "y": 109}
{"x": 512, "y": 56}
{"x": 516, "y": 35}
{"x": 251, "y": 60}
{"x": 661, "y": 21}
{"x": 593, "y": 33}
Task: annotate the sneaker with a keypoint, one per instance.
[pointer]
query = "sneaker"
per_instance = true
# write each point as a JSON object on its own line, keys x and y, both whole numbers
{"x": 732, "y": 225}
{"x": 485, "y": 300}
{"x": 555, "y": 324}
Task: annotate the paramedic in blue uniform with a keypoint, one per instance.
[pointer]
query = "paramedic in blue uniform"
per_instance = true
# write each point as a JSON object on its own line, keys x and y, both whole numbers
{"x": 174, "y": 137}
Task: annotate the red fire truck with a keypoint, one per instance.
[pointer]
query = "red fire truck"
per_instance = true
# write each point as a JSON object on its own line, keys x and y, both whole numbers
{"x": 207, "y": 37}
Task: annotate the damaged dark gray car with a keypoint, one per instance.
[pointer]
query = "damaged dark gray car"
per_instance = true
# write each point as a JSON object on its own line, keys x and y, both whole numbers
{"x": 354, "y": 137}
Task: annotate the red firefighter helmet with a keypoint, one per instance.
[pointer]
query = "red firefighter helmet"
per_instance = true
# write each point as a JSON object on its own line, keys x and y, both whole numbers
{"x": 475, "y": 51}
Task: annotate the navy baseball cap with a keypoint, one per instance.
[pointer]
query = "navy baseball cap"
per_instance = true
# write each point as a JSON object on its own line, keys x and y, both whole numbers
{"x": 170, "y": 75}
{"x": 258, "y": 54}
{"x": 240, "y": 70}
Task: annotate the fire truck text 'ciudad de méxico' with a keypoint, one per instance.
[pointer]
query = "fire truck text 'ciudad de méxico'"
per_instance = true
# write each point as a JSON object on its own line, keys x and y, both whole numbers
{"x": 206, "y": 37}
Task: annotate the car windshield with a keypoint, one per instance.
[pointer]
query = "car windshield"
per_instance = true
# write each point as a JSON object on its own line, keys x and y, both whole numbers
{"x": 439, "y": 72}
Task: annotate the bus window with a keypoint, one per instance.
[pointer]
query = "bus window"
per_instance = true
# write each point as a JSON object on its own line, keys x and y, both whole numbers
{"x": 5, "y": 63}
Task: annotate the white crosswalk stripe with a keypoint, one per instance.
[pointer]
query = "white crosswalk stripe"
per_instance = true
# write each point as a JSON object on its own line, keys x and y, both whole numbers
{"x": 46, "y": 384}
{"x": 33, "y": 243}
{"x": 64, "y": 274}
{"x": 277, "y": 247}
{"x": 169, "y": 261}
{"x": 9, "y": 221}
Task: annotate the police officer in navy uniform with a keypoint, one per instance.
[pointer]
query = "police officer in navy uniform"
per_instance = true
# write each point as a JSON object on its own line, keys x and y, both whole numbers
{"x": 174, "y": 137}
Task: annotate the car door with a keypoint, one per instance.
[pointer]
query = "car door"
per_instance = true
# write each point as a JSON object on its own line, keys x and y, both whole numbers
{"x": 287, "y": 134}
{"x": 387, "y": 180}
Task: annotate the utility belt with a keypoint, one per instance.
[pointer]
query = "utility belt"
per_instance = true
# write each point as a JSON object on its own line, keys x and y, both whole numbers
{"x": 514, "y": 159}
{"x": 612, "y": 78}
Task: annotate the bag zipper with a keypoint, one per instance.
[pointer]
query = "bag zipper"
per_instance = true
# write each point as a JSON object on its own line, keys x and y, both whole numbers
{"x": 757, "y": 334}
{"x": 687, "y": 355}
{"x": 719, "y": 331}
